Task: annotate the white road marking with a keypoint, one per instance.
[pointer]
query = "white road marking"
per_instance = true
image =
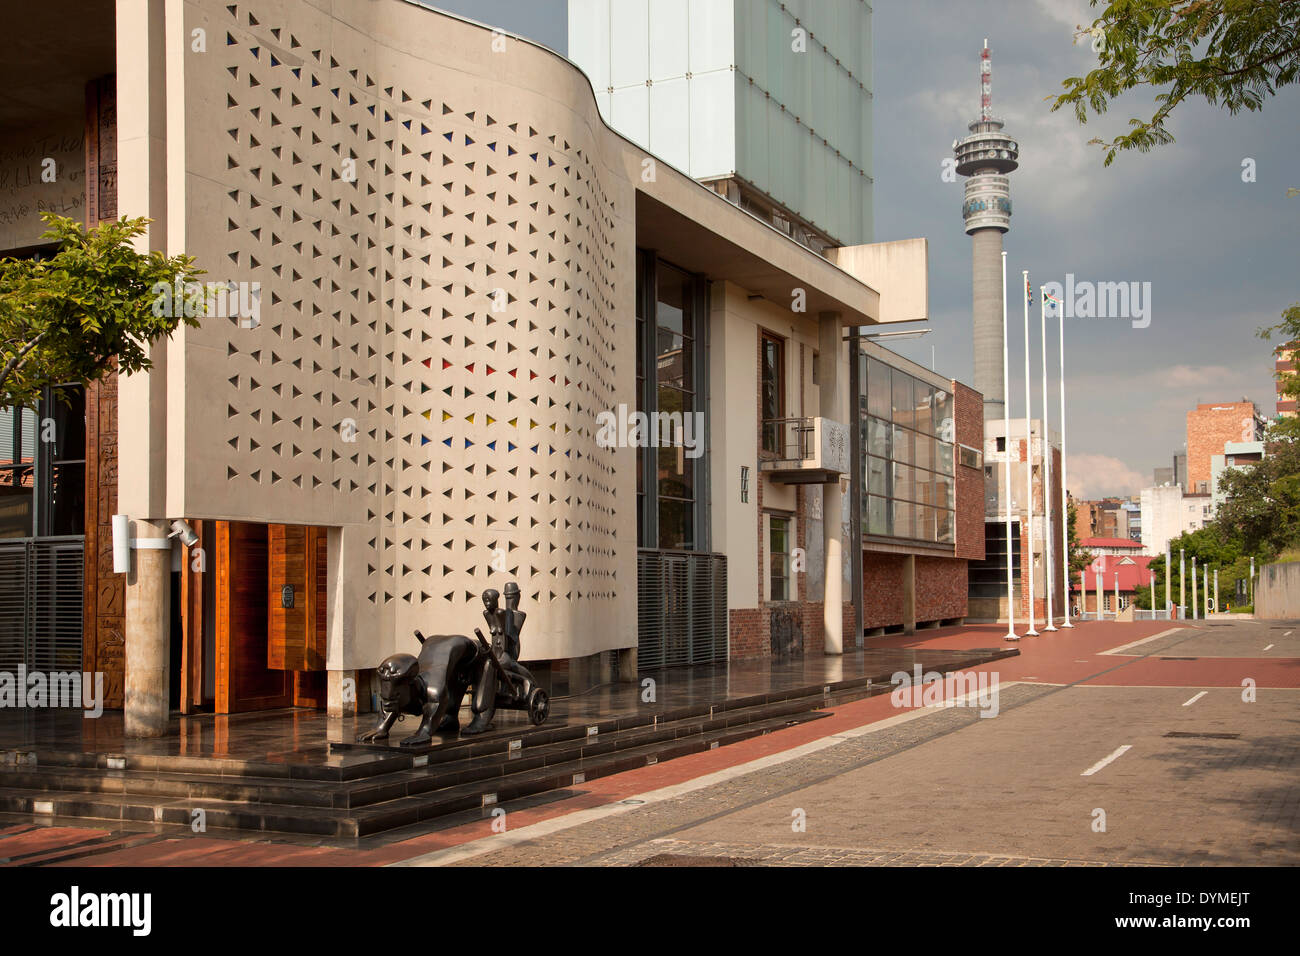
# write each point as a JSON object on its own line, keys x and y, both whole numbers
{"x": 488, "y": 844}
{"x": 1100, "y": 764}
{"x": 1124, "y": 647}
{"x": 1288, "y": 633}
{"x": 1269, "y": 648}
{"x": 1188, "y": 703}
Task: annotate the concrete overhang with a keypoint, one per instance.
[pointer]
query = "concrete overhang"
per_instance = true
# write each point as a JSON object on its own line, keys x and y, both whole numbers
{"x": 899, "y": 271}
{"x": 55, "y": 47}
{"x": 693, "y": 227}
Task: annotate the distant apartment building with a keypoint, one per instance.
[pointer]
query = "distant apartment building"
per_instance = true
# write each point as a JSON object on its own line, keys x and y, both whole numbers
{"x": 1236, "y": 455}
{"x": 1209, "y": 428}
{"x": 1168, "y": 513}
{"x": 1100, "y": 519}
{"x": 1284, "y": 364}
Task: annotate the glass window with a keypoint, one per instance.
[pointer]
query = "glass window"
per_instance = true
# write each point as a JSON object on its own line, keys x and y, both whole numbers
{"x": 17, "y": 471}
{"x": 878, "y": 516}
{"x": 877, "y": 437}
{"x": 901, "y": 449}
{"x": 924, "y": 418}
{"x": 904, "y": 409}
{"x": 876, "y": 476}
{"x": 879, "y": 395}
{"x": 779, "y": 558}
{"x": 903, "y": 520}
{"x": 904, "y": 484}
{"x": 667, "y": 493}
{"x": 772, "y": 392}
{"x": 923, "y": 452}
{"x": 908, "y": 459}
{"x": 43, "y": 483}
{"x": 944, "y": 427}
{"x": 943, "y": 458}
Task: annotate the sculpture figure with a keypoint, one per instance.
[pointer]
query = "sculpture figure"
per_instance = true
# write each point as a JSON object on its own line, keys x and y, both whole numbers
{"x": 433, "y": 685}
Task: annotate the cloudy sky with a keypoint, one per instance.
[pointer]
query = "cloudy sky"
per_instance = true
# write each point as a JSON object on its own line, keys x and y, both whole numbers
{"x": 1222, "y": 255}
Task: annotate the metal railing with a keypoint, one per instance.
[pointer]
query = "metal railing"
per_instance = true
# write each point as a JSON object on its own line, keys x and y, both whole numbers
{"x": 41, "y": 603}
{"x": 790, "y": 439}
{"x": 681, "y": 608}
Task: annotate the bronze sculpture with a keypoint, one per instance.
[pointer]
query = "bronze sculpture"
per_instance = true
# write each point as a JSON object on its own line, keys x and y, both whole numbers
{"x": 433, "y": 685}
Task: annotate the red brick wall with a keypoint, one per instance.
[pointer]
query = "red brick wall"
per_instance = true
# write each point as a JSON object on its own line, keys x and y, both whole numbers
{"x": 941, "y": 588}
{"x": 968, "y": 410}
{"x": 1208, "y": 427}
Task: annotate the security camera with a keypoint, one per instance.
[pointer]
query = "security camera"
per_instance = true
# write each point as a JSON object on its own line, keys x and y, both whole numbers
{"x": 182, "y": 530}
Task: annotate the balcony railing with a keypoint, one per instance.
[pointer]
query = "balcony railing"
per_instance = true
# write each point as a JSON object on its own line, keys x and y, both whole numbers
{"x": 804, "y": 450}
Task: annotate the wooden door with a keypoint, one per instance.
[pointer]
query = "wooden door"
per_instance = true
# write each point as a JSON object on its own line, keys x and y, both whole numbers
{"x": 244, "y": 681}
{"x": 296, "y": 598}
{"x": 193, "y": 571}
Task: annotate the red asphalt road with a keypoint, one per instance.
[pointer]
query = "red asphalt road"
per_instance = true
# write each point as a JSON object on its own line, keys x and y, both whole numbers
{"x": 1069, "y": 656}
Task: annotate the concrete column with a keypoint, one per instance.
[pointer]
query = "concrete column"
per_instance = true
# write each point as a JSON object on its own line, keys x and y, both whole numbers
{"x": 986, "y": 309}
{"x": 627, "y": 669}
{"x": 148, "y": 632}
{"x": 909, "y": 594}
{"x": 341, "y": 693}
{"x": 829, "y": 405}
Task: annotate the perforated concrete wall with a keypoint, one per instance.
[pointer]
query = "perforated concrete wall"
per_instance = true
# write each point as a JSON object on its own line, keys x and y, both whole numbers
{"x": 445, "y": 262}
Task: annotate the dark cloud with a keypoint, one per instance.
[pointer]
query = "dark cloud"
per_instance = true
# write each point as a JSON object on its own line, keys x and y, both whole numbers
{"x": 1220, "y": 254}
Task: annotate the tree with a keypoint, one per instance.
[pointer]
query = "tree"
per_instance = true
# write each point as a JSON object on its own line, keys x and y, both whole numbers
{"x": 1230, "y": 53}
{"x": 65, "y": 318}
{"x": 1286, "y": 429}
{"x": 1079, "y": 558}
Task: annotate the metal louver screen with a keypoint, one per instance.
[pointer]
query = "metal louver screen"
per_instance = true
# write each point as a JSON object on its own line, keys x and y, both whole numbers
{"x": 40, "y": 604}
{"x": 681, "y": 608}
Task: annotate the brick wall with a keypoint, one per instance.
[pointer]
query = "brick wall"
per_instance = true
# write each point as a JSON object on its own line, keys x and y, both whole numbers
{"x": 968, "y": 410}
{"x": 1208, "y": 427}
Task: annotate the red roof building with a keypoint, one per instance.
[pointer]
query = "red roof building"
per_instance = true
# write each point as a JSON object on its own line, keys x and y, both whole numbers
{"x": 1099, "y": 546}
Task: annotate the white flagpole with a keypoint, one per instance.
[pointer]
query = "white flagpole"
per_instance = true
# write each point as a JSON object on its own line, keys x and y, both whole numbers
{"x": 1065, "y": 507}
{"x": 1006, "y": 459}
{"x": 1048, "y": 570}
{"x": 1029, "y": 463}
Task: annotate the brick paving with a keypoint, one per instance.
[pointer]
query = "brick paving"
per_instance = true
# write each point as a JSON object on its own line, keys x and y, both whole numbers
{"x": 583, "y": 844}
{"x": 944, "y": 788}
{"x": 751, "y": 854}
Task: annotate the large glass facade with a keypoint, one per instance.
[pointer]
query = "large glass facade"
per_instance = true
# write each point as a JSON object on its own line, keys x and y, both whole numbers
{"x": 907, "y": 455}
{"x": 669, "y": 475}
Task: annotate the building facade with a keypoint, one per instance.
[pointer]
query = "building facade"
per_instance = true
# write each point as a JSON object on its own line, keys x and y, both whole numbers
{"x": 1030, "y": 491}
{"x": 768, "y": 102}
{"x": 1284, "y": 365}
{"x": 478, "y": 325}
{"x": 1209, "y": 427}
{"x": 1168, "y": 513}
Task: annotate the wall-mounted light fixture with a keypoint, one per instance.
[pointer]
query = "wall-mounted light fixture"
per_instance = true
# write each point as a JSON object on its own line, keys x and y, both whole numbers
{"x": 744, "y": 484}
{"x": 181, "y": 529}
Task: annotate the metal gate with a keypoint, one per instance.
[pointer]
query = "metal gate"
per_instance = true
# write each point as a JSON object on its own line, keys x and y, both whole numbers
{"x": 681, "y": 608}
{"x": 40, "y": 603}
